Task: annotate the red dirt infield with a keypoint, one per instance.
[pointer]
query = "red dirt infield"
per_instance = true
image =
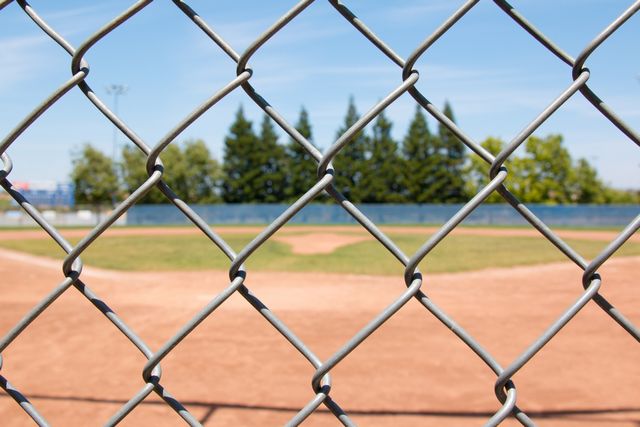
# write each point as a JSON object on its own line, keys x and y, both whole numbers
{"x": 235, "y": 369}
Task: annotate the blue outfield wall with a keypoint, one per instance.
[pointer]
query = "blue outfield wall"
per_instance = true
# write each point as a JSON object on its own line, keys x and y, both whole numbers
{"x": 490, "y": 214}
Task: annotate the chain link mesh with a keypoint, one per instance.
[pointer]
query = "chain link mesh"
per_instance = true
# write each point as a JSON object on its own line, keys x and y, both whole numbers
{"x": 505, "y": 388}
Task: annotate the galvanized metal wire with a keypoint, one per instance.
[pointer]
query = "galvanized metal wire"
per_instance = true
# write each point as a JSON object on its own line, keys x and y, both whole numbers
{"x": 320, "y": 394}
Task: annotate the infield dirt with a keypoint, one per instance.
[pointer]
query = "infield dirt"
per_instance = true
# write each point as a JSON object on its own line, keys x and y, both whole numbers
{"x": 235, "y": 369}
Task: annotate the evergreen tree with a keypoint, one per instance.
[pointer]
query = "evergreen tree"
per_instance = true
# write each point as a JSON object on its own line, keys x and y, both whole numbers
{"x": 423, "y": 172}
{"x": 382, "y": 179}
{"x": 240, "y": 169}
{"x": 301, "y": 165}
{"x": 270, "y": 157}
{"x": 253, "y": 165}
{"x": 454, "y": 152}
{"x": 349, "y": 163}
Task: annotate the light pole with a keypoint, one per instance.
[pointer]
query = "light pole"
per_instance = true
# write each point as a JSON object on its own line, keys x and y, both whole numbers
{"x": 116, "y": 90}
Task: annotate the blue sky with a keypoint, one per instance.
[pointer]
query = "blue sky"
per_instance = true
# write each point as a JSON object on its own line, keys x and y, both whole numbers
{"x": 494, "y": 74}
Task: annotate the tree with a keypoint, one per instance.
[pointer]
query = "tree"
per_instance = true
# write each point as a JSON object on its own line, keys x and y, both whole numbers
{"x": 134, "y": 173}
{"x": 587, "y": 186}
{"x": 614, "y": 195}
{"x": 477, "y": 171}
{"x": 270, "y": 157}
{"x": 253, "y": 166}
{"x": 422, "y": 163}
{"x": 94, "y": 178}
{"x": 454, "y": 154}
{"x": 238, "y": 169}
{"x": 349, "y": 163}
{"x": 202, "y": 173}
{"x": 382, "y": 179}
{"x": 545, "y": 173}
{"x": 189, "y": 171}
{"x": 301, "y": 166}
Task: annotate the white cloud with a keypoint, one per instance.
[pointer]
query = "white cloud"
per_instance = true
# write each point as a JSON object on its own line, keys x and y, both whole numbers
{"x": 26, "y": 55}
{"x": 22, "y": 58}
{"x": 64, "y": 16}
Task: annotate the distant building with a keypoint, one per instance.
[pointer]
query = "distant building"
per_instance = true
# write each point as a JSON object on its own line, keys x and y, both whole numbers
{"x": 47, "y": 194}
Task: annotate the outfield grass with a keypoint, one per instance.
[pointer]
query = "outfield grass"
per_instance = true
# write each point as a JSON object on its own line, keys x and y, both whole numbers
{"x": 195, "y": 252}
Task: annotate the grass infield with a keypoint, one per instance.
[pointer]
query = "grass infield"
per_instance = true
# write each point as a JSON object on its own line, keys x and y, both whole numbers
{"x": 195, "y": 252}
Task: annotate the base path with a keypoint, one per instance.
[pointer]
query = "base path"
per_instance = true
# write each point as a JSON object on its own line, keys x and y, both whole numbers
{"x": 236, "y": 370}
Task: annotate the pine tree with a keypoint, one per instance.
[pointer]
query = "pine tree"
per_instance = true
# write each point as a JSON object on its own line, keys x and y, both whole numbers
{"x": 382, "y": 180}
{"x": 240, "y": 169}
{"x": 301, "y": 165}
{"x": 454, "y": 152}
{"x": 423, "y": 170}
{"x": 270, "y": 184}
{"x": 349, "y": 163}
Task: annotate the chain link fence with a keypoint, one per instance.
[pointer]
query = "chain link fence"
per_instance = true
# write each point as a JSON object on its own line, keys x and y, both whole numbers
{"x": 505, "y": 388}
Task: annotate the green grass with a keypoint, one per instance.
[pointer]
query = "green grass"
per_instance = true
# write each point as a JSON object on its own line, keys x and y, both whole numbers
{"x": 195, "y": 252}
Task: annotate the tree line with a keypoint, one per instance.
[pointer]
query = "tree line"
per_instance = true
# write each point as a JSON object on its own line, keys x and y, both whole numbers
{"x": 424, "y": 167}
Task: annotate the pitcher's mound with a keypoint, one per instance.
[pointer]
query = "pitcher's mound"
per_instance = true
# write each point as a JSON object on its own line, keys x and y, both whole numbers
{"x": 319, "y": 243}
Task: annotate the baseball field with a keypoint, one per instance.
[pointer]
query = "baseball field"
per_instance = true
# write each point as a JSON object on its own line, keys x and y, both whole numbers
{"x": 505, "y": 286}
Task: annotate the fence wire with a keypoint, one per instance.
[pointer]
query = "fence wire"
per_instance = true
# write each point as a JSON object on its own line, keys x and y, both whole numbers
{"x": 505, "y": 388}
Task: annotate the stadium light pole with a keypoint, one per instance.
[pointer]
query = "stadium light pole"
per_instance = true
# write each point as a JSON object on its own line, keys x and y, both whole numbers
{"x": 116, "y": 90}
